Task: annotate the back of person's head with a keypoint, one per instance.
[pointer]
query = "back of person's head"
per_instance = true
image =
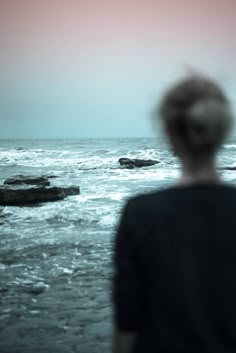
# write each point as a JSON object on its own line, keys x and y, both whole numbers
{"x": 197, "y": 117}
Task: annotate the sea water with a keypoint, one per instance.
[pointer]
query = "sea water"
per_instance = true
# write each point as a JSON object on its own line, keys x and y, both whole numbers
{"x": 55, "y": 258}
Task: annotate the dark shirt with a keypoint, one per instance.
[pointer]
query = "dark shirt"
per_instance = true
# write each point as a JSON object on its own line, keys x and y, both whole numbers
{"x": 175, "y": 270}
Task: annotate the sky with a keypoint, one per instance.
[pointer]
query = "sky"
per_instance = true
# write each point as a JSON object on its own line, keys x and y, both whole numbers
{"x": 96, "y": 68}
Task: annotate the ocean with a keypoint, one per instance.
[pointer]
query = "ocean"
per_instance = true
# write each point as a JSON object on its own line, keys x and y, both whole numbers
{"x": 56, "y": 258}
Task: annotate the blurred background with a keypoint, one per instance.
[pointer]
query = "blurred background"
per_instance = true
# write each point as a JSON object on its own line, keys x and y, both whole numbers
{"x": 94, "y": 68}
{"x": 78, "y": 80}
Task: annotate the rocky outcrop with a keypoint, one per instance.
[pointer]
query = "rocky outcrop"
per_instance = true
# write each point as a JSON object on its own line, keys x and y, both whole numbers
{"x": 12, "y": 196}
{"x": 27, "y": 180}
{"x": 137, "y": 163}
{"x": 228, "y": 168}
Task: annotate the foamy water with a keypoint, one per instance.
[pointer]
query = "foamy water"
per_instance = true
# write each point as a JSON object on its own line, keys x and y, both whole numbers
{"x": 69, "y": 243}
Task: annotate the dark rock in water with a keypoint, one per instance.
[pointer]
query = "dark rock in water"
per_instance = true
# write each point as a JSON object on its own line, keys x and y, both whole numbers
{"x": 3, "y": 289}
{"x": 20, "y": 149}
{"x": 132, "y": 163}
{"x": 10, "y": 196}
{"x": 36, "y": 290}
{"x": 228, "y": 168}
{"x": 27, "y": 180}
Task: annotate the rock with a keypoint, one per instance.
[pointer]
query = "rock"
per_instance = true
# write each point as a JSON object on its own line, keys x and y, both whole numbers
{"x": 10, "y": 196}
{"x": 20, "y": 149}
{"x": 4, "y": 289}
{"x": 132, "y": 163}
{"x": 228, "y": 168}
{"x": 51, "y": 176}
{"x": 36, "y": 290}
{"x": 27, "y": 180}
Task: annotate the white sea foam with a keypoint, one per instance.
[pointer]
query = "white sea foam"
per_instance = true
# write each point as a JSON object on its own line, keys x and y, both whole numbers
{"x": 108, "y": 220}
{"x": 231, "y": 146}
{"x": 104, "y": 186}
{"x": 55, "y": 159}
{"x": 117, "y": 196}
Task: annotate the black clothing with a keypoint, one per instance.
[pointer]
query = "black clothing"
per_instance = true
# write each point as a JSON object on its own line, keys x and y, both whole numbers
{"x": 175, "y": 270}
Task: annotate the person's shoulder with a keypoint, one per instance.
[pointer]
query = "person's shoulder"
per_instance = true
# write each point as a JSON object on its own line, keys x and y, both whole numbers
{"x": 167, "y": 195}
{"x": 143, "y": 200}
{"x": 140, "y": 210}
{"x": 154, "y": 194}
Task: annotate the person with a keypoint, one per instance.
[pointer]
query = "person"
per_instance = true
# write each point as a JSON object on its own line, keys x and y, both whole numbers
{"x": 174, "y": 284}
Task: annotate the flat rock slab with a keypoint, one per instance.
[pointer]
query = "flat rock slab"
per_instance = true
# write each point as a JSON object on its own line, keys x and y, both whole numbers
{"x": 138, "y": 163}
{"x": 27, "y": 180}
{"x": 10, "y": 196}
{"x": 228, "y": 168}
